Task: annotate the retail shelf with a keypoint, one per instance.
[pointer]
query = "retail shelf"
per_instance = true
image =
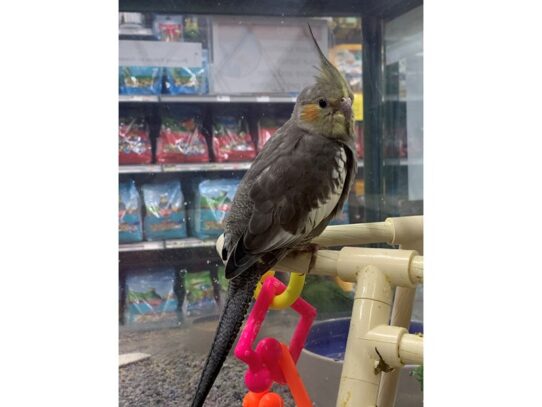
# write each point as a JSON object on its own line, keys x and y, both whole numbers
{"x": 188, "y": 243}
{"x": 206, "y": 99}
{"x": 133, "y": 169}
{"x": 139, "y": 98}
{"x": 403, "y": 161}
{"x": 206, "y": 167}
{"x": 228, "y": 98}
{"x": 139, "y": 31}
{"x": 141, "y": 246}
{"x": 202, "y": 167}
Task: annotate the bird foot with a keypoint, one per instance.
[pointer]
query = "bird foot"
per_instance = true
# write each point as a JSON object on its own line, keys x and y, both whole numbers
{"x": 311, "y": 248}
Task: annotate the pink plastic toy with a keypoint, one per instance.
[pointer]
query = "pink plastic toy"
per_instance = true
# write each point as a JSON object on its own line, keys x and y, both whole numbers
{"x": 263, "y": 362}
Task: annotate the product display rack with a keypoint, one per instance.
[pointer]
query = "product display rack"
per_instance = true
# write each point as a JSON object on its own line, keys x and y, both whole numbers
{"x": 193, "y": 254}
{"x": 206, "y": 99}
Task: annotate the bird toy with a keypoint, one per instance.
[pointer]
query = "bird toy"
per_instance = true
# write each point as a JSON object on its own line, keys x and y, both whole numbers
{"x": 273, "y": 361}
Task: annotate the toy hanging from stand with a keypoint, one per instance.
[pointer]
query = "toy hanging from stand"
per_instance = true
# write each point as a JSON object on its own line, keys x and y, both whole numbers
{"x": 273, "y": 361}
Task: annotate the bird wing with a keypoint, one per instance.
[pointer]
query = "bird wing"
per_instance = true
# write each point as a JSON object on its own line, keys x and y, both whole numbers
{"x": 296, "y": 183}
{"x": 297, "y": 188}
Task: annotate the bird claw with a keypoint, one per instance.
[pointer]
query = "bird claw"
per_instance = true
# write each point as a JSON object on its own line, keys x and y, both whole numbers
{"x": 311, "y": 248}
{"x": 382, "y": 366}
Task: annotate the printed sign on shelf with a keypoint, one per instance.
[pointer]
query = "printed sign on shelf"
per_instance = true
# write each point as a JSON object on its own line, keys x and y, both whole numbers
{"x": 159, "y": 53}
{"x": 265, "y": 55}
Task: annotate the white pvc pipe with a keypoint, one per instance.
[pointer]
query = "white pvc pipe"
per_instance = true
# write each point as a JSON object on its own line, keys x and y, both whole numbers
{"x": 402, "y": 306}
{"x": 393, "y": 262}
{"x": 404, "y": 268}
{"x": 401, "y": 230}
{"x": 355, "y": 234}
{"x": 416, "y": 269}
{"x": 395, "y": 345}
{"x": 411, "y": 349}
{"x": 359, "y": 383}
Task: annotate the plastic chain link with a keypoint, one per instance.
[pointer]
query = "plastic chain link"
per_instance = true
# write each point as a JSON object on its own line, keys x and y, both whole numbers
{"x": 289, "y": 296}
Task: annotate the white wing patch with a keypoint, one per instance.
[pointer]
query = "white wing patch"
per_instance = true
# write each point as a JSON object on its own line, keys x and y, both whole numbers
{"x": 317, "y": 215}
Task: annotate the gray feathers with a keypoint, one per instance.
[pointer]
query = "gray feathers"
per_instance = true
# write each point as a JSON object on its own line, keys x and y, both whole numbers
{"x": 240, "y": 292}
{"x": 295, "y": 186}
{"x": 297, "y": 182}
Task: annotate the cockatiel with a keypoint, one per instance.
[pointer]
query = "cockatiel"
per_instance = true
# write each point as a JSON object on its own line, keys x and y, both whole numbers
{"x": 295, "y": 186}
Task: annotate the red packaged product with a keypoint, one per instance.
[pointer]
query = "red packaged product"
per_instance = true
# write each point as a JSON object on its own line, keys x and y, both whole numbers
{"x": 134, "y": 141}
{"x": 266, "y": 128}
{"x": 360, "y": 148}
{"x": 181, "y": 141}
{"x": 231, "y": 141}
{"x": 264, "y": 134}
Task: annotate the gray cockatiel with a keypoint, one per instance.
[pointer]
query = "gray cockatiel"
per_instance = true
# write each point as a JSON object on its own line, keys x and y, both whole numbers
{"x": 295, "y": 186}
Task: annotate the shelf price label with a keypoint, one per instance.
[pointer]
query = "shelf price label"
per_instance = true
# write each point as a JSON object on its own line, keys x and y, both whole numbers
{"x": 223, "y": 98}
{"x": 263, "y": 99}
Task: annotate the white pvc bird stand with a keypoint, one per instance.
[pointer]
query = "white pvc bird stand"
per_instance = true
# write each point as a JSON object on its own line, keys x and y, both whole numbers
{"x": 375, "y": 351}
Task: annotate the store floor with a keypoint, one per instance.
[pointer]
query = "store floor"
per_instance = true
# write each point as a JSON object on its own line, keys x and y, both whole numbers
{"x": 169, "y": 377}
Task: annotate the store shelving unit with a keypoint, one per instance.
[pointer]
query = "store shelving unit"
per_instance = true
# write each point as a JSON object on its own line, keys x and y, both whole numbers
{"x": 205, "y": 99}
{"x": 193, "y": 254}
{"x": 188, "y": 243}
{"x": 208, "y": 167}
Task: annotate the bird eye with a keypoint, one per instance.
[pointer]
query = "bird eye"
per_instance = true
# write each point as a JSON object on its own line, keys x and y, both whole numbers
{"x": 322, "y": 103}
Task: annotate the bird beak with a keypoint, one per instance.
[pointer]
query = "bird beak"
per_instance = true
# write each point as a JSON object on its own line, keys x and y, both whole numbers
{"x": 346, "y": 106}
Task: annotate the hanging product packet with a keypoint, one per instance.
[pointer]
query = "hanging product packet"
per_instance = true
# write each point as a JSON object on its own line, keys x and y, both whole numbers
{"x": 150, "y": 296}
{"x": 192, "y": 32}
{"x": 134, "y": 141}
{"x": 213, "y": 202}
{"x": 266, "y": 128}
{"x": 181, "y": 141}
{"x": 165, "y": 214}
{"x": 140, "y": 80}
{"x": 130, "y": 224}
{"x": 231, "y": 140}
{"x": 188, "y": 80}
{"x": 360, "y": 149}
{"x": 199, "y": 294}
{"x": 168, "y": 28}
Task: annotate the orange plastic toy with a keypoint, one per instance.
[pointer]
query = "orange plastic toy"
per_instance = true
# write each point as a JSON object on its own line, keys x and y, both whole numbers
{"x": 264, "y": 399}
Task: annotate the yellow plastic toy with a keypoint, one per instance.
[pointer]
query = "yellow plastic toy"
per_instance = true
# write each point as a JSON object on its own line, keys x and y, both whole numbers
{"x": 289, "y": 296}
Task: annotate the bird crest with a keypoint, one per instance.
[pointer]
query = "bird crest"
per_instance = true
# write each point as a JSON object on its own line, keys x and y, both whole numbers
{"x": 329, "y": 79}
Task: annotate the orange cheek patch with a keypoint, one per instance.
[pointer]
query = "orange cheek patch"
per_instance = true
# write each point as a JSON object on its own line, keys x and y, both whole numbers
{"x": 310, "y": 113}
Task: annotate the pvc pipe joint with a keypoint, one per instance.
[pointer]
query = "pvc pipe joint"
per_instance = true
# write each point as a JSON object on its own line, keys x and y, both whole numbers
{"x": 406, "y": 229}
{"x": 396, "y": 346}
{"x": 394, "y": 263}
{"x": 386, "y": 339}
{"x": 411, "y": 349}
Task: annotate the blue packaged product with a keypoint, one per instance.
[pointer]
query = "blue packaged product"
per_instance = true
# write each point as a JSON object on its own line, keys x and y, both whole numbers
{"x": 165, "y": 215}
{"x": 213, "y": 202}
{"x": 130, "y": 225}
{"x": 140, "y": 80}
{"x": 188, "y": 81}
{"x": 150, "y": 296}
{"x": 342, "y": 217}
{"x": 199, "y": 294}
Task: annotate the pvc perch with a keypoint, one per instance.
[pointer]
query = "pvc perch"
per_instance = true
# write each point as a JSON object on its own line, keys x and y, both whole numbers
{"x": 372, "y": 347}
